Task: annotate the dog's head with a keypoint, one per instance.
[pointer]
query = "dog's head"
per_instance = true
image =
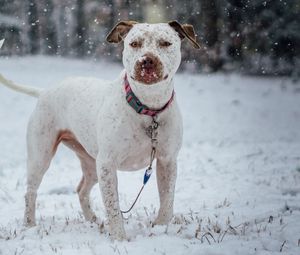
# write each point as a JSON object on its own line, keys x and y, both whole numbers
{"x": 151, "y": 51}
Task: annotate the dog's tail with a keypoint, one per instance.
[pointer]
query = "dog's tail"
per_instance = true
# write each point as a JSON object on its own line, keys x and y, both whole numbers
{"x": 34, "y": 92}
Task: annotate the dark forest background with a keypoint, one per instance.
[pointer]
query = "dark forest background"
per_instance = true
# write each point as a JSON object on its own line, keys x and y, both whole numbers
{"x": 249, "y": 36}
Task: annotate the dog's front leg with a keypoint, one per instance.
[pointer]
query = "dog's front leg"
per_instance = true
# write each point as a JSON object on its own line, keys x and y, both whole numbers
{"x": 166, "y": 172}
{"x": 108, "y": 182}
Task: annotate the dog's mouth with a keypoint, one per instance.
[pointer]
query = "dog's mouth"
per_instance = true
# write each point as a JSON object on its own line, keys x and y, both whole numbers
{"x": 148, "y": 70}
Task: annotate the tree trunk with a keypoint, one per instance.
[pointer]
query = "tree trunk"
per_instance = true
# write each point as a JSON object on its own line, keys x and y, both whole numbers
{"x": 109, "y": 24}
{"x": 235, "y": 36}
{"x": 80, "y": 29}
{"x": 210, "y": 18}
{"x": 50, "y": 29}
{"x": 33, "y": 32}
{"x": 209, "y": 13}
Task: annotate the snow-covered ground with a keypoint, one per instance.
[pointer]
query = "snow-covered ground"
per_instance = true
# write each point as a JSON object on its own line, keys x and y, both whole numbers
{"x": 238, "y": 186}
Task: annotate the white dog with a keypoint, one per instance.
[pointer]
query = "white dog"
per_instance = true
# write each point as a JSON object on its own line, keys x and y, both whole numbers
{"x": 108, "y": 124}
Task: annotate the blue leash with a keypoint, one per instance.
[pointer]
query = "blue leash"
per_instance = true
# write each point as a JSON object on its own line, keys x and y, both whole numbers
{"x": 151, "y": 131}
{"x": 146, "y": 178}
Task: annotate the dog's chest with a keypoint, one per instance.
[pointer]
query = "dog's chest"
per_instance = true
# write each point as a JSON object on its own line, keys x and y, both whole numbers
{"x": 122, "y": 134}
{"x": 137, "y": 148}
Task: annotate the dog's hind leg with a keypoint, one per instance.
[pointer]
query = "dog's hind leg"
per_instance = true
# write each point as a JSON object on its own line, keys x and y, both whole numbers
{"x": 89, "y": 179}
{"x": 41, "y": 146}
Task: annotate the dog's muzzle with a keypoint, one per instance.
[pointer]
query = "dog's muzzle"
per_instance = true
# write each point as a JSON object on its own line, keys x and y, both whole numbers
{"x": 148, "y": 69}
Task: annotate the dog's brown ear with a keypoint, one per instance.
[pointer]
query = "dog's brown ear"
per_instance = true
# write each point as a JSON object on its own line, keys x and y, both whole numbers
{"x": 118, "y": 33}
{"x": 185, "y": 31}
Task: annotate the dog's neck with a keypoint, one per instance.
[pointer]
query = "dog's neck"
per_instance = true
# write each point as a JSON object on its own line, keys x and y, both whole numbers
{"x": 154, "y": 96}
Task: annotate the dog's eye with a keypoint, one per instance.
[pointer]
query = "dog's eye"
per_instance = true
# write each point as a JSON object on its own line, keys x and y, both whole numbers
{"x": 164, "y": 43}
{"x": 136, "y": 44}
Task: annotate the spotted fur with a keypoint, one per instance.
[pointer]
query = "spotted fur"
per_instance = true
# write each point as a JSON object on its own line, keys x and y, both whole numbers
{"x": 93, "y": 118}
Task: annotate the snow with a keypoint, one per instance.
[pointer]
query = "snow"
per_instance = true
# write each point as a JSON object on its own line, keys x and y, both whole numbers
{"x": 238, "y": 180}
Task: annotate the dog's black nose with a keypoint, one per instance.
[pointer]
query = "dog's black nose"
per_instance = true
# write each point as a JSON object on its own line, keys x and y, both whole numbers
{"x": 148, "y": 63}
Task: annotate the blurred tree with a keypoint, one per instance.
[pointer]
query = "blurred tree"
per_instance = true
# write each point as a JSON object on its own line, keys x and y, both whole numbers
{"x": 49, "y": 30}
{"x": 253, "y": 36}
{"x": 33, "y": 22}
{"x": 209, "y": 18}
{"x": 12, "y": 27}
{"x": 111, "y": 7}
{"x": 80, "y": 29}
{"x": 272, "y": 31}
{"x": 234, "y": 24}
{"x": 189, "y": 12}
{"x": 109, "y": 24}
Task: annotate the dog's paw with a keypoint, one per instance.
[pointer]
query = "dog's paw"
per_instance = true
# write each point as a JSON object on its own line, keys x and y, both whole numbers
{"x": 118, "y": 237}
{"x": 118, "y": 234}
{"x": 29, "y": 223}
{"x": 92, "y": 218}
{"x": 162, "y": 220}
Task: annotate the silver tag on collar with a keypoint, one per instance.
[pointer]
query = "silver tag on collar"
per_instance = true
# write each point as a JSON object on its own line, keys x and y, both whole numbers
{"x": 151, "y": 131}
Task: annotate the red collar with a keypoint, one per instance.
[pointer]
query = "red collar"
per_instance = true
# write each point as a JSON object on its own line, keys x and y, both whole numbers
{"x": 136, "y": 104}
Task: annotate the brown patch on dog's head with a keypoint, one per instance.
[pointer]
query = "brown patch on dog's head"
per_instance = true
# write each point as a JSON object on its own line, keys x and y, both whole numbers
{"x": 118, "y": 33}
{"x": 148, "y": 69}
{"x": 185, "y": 31}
